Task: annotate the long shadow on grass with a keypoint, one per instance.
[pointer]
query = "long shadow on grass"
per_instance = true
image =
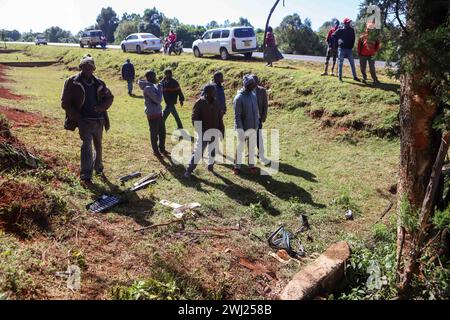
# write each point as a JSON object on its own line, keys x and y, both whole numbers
{"x": 296, "y": 172}
{"x": 383, "y": 86}
{"x": 283, "y": 190}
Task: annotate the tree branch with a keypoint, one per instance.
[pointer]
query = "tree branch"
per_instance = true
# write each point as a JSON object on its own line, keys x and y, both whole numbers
{"x": 397, "y": 15}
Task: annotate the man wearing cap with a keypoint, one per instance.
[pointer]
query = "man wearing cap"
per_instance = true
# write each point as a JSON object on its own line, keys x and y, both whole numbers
{"x": 346, "y": 38}
{"x": 247, "y": 120}
{"x": 332, "y": 51}
{"x": 86, "y": 99}
{"x": 128, "y": 74}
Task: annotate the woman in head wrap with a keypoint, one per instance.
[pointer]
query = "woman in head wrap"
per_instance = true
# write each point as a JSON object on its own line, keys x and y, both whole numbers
{"x": 271, "y": 52}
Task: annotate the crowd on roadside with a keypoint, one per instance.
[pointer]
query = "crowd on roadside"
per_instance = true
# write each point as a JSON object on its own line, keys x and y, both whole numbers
{"x": 86, "y": 100}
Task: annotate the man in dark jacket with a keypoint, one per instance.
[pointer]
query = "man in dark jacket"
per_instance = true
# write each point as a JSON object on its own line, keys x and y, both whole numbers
{"x": 207, "y": 118}
{"x": 346, "y": 38}
{"x": 128, "y": 74}
{"x": 263, "y": 107}
{"x": 332, "y": 51}
{"x": 172, "y": 92}
{"x": 86, "y": 99}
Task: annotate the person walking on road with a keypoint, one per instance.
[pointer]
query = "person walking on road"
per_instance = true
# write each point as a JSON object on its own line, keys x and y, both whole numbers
{"x": 86, "y": 99}
{"x": 332, "y": 51}
{"x": 128, "y": 74}
{"x": 172, "y": 92}
{"x": 346, "y": 38}
{"x": 368, "y": 46}
{"x": 153, "y": 95}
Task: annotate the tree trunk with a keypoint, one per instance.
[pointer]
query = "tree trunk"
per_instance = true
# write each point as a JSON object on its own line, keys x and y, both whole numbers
{"x": 419, "y": 141}
{"x": 268, "y": 22}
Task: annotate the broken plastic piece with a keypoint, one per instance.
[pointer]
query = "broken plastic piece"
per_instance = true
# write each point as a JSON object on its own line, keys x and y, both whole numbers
{"x": 106, "y": 202}
{"x": 130, "y": 177}
{"x": 349, "y": 215}
{"x": 152, "y": 176}
{"x": 180, "y": 210}
{"x": 142, "y": 185}
{"x": 281, "y": 240}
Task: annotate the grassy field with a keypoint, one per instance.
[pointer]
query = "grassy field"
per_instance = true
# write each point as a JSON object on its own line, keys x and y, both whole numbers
{"x": 338, "y": 149}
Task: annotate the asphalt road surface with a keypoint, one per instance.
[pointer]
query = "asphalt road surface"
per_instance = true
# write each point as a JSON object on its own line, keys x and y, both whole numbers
{"x": 378, "y": 64}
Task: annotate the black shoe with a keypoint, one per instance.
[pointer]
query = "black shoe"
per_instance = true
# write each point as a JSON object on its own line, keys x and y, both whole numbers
{"x": 86, "y": 183}
{"x": 357, "y": 79}
{"x": 364, "y": 81}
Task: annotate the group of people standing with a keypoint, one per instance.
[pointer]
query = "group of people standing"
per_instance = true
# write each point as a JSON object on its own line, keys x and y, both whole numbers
{"x": 341, "y": 41}
{"x": 86, "y": 100}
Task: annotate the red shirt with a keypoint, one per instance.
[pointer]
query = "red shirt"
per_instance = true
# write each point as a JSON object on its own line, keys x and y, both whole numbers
{"x": 270, "y": 40}
{"x": 367, "y": 49}
{"x": 172, "y": 37}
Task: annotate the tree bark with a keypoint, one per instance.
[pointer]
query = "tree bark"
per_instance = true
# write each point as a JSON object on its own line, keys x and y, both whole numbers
{"x": 419, "y": 142}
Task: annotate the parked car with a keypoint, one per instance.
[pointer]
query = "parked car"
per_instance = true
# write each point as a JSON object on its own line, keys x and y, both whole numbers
{"x": 226, "y": 42}
{"x": 141, "y": 42}
{"x": 40, "y": 41}
{"x": 91, "y": 38}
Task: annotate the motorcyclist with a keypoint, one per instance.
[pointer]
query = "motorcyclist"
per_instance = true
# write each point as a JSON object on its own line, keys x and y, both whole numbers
{"x": 172, "y": 40}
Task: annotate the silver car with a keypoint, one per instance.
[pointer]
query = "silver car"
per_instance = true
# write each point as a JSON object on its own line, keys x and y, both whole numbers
{"x": 141, "y": 42}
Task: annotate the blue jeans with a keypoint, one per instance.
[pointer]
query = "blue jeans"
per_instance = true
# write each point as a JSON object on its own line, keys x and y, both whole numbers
{"x": 130, "y": 86}
{"x": 346, "y": 54}
{"x": 170, "y": 109}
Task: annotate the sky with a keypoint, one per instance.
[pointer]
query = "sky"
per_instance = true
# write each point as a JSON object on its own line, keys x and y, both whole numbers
{"x": 75, "y": 15}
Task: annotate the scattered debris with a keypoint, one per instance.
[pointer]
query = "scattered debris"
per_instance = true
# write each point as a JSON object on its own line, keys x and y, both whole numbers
{"x": 305, "y": 226}
{"x": 349, "y": 215}
{"x": 73, "y": 275}
{"x": 281, "y": 240}
{"x": 141, "y": 186}
{"x": 281, "y": 260}
{"x": 130, "y": 177}
{"x": 150, "y": 177}
{"x": 154, "y": 226}
{"x": 180, "y": 210}
{"x": 104, "y": 203}
{"x": 389, "y": 207}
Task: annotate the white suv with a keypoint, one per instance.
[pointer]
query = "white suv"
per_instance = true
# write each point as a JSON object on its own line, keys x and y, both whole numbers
{"x": 227, "y": 41}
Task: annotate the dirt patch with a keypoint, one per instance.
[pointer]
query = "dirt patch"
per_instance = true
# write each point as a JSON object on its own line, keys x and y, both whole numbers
{"x": 8, "y": 95}
{"x": 22, "y": 118}
{"x": 29, "y": 64}
{"x": 24, "y": 206}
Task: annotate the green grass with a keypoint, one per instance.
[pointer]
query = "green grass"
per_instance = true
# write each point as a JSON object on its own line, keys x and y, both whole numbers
{"x": 318, "y": 166}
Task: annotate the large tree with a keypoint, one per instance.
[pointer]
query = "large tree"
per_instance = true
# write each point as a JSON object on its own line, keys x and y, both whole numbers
{"x": 297, "y": 37}
{"x": 56, "y": 34}
{"x": 108, "y": 21}
{"x": 151, "y": 22}
{"x": 423, "y": 49}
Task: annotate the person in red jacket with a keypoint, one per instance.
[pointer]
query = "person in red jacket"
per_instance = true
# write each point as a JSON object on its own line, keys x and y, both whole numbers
{"x": 332, "y": 51}
{"x": 368, "y": 46}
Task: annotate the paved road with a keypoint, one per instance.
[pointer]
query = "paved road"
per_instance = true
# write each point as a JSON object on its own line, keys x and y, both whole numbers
{"x": 317, "y": 59}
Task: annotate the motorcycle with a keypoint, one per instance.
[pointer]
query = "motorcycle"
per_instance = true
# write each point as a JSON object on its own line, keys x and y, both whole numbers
{"x": 176, "y": 48}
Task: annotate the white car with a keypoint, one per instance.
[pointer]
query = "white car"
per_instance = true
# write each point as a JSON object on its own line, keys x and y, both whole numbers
{"x": 141, "y": 42}
{"x": 227, "y": 41}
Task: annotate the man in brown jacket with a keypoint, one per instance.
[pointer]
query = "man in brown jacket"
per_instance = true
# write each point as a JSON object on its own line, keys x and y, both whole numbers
{"x": 86, "y": 99}
{"x": 207, "y": 119}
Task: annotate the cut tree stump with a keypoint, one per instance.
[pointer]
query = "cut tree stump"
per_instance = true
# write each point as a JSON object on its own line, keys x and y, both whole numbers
{"x": 322, "y": 276}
